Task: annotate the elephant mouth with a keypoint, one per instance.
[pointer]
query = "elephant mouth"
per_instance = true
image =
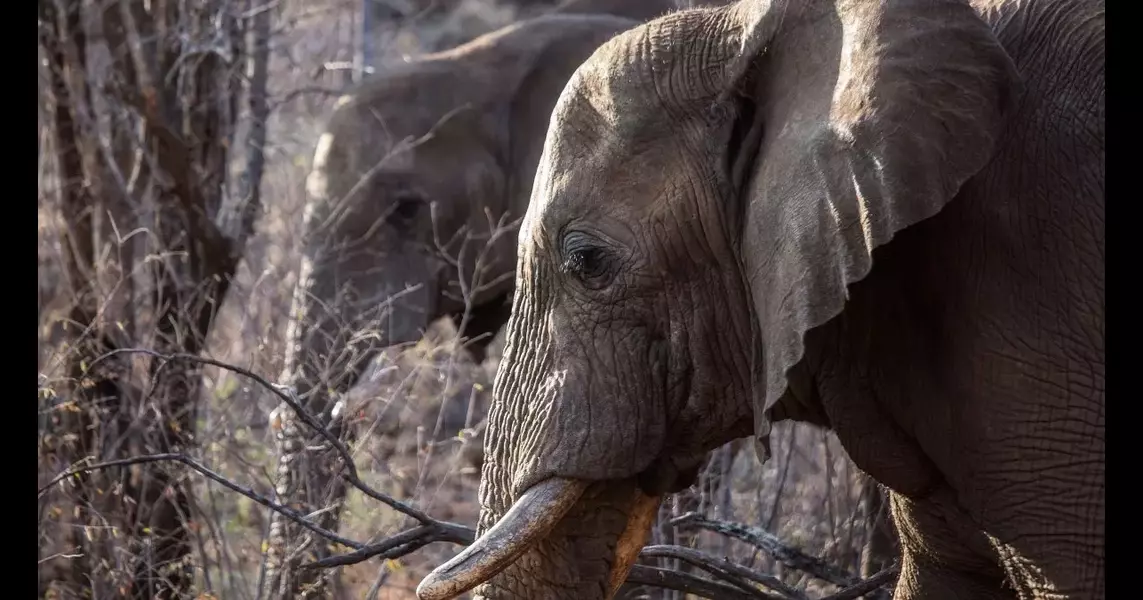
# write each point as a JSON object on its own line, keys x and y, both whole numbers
{"x": 525, "y": 524}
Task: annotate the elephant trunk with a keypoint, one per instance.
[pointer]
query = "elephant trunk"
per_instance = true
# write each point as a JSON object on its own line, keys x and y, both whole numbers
{"x": 542, "y": 534}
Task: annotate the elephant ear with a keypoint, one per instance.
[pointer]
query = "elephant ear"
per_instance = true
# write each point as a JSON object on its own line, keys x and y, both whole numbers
{"x": 868, "y": 116}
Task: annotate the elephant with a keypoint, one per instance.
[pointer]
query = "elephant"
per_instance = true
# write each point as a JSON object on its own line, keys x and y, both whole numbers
{"x": 413, "y": 197}
{"x": 884, "y": 217}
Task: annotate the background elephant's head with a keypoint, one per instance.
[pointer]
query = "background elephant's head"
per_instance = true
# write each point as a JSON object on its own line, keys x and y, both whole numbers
{"x": 711, "y": 183}
{"x": 413, "y": 193}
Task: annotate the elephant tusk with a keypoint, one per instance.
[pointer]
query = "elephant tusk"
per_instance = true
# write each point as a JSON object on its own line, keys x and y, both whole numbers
{"x": 530, "y": 519}
{"x": 643, "y": 512}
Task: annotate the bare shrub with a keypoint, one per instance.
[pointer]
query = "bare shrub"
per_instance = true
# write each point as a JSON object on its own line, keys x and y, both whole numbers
{"x": 143, "y": 101}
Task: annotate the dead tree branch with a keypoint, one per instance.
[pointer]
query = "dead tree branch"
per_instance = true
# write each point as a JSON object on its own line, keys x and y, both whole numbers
{"x": 400, "y": 545}
{"x": 723, "y": 567}
{"x": 769, "y": 543}
{"x": 686, "y": 583}
{"x": 250, "y": 195}
{"x": 145, "y": 145}
{"x": 865, "y": 586}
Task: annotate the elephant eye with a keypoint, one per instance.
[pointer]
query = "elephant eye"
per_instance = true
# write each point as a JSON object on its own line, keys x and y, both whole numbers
{"x": 406, "y": 205}
{"x": 589, "y": 263}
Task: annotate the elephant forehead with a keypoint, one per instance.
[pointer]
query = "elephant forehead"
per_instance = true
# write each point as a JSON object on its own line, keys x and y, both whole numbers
{"x": 604, "y": 139}
{"x": 375, "y": 145}
{"x": 574, "y": 179}
{"x": 612, "y": 91}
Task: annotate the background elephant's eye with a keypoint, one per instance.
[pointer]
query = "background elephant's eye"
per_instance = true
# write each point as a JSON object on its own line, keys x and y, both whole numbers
{"x": 406, "y": 206}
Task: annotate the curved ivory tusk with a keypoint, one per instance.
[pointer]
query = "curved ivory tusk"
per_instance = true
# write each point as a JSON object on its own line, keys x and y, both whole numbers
{"x": 529, "y": 519}
{"x": 643, "y": 512}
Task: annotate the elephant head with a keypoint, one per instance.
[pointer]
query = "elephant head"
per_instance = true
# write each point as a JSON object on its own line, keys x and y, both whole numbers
{"x": 712, "y": 181}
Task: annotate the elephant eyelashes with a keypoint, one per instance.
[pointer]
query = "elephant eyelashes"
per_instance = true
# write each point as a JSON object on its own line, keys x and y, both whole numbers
{"x": 590, "y": 264}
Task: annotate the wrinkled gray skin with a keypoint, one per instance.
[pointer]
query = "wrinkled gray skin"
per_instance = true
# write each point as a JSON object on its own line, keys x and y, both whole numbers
{"x": 698, "y": 261}
{"x": 373, "y": 274}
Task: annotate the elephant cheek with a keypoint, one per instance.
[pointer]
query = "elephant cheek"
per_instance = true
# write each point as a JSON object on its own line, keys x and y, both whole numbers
{"x": 602, "y": 418}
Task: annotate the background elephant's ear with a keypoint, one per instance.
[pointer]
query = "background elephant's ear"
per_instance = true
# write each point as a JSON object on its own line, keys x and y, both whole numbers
{"x": 873, "y": 116}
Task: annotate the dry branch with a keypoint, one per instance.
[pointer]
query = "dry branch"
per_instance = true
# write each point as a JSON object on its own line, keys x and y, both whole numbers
{"x": 769, "y": 543}
{"x": 868, "y": 585}
{"x": 151, "y": 129}
{"x": 406, "y": 542}
{"x": 725, "y": 569}
{"x": 685, "y": 582}
{"x": 414, "y": 539}
{"x": 400, "y": 545}
{"x": 213, "y": 476}
{"x": 286, "y": 395}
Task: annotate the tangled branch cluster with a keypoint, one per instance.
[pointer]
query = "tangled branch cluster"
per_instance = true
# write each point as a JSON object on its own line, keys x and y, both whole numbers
{"x": 727, "y": 579}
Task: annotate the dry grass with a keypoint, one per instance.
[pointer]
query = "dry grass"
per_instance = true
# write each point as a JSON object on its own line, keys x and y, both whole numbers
{"x": 808, "y": 494}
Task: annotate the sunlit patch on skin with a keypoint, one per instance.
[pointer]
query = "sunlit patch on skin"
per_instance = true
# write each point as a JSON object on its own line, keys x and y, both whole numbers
{"x": 553, "y": 382}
